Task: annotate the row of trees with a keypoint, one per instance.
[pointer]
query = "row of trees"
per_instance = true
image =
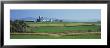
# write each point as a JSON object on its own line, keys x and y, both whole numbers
{"x": 18, "y": 26}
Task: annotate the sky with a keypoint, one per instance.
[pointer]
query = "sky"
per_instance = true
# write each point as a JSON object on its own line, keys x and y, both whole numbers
{"x": 71, "y": 15}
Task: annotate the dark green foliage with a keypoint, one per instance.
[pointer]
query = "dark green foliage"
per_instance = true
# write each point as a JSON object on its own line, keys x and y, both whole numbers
{"x": 18, "y": 26}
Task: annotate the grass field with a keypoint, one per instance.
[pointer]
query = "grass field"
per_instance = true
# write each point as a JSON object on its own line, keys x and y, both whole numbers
{"x": 64, "y": 29}
{"x": 94, "y": 35}
{"x": 60, "y": 30}
{"x": 62, "y": 26}
{"x": 59, "y": 24}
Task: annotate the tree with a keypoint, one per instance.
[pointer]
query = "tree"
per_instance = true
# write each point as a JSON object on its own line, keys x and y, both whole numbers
{"x": 98, "y": 21}
{"x": 18, "y": 26}
{"x": 56, "y": 20}
{"x": 61, "y": 20}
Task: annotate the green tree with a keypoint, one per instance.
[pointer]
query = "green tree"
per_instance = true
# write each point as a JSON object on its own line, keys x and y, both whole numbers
{"x": 18, "y": 26}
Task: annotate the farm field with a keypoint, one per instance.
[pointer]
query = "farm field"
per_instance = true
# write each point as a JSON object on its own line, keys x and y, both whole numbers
{"x": 56, "y": 30}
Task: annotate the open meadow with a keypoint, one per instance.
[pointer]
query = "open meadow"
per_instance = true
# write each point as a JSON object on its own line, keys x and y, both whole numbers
{"x": 59, "y": 30}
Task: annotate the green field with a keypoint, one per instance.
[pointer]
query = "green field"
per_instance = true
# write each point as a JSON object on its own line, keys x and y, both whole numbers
{"x": 62, "y": 26}
{"x": 57, "y": 36}
{"x": 60, "y": 30}
{"x": 64, "y": 29}
{"x": 59, "y": 24}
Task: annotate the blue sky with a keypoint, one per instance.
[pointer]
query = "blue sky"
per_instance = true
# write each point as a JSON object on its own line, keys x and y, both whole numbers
{"x": 80, "y": 15}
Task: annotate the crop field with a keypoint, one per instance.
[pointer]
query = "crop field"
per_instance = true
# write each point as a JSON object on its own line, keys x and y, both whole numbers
{"x": 59, "y": 30}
